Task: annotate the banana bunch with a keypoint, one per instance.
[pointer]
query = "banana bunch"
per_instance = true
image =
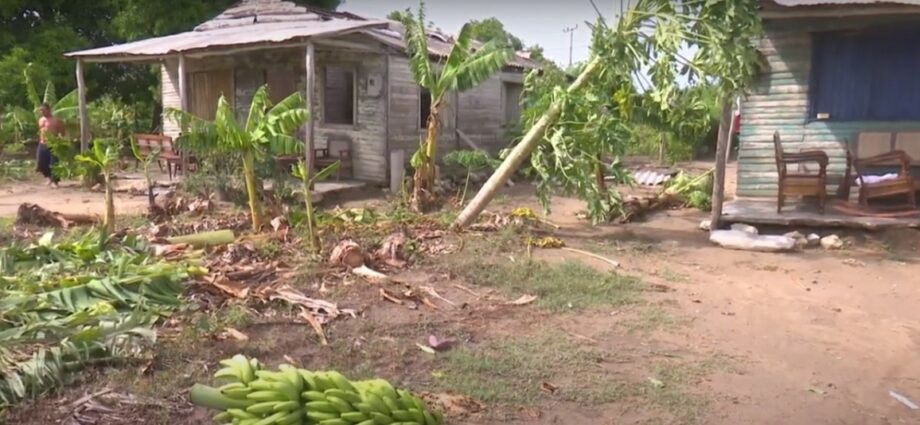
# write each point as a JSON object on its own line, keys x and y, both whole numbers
{"x": 253, "y": 396}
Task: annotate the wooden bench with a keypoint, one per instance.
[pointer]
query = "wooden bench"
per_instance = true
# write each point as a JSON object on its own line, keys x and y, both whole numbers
{"x": 148, "y": 143}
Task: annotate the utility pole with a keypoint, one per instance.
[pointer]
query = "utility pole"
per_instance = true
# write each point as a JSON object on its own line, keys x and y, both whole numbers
{"x": 571, "y": 32}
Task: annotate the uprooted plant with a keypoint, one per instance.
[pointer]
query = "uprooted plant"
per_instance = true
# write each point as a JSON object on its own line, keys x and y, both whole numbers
{"x": 636, "y": 70}
{"x": 267, "y": 130}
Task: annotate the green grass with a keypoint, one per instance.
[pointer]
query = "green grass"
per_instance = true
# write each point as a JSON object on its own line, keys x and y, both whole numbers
{"x": 652, "y": 318}
{"x": 511, "y": 371}
{"x": 565, "y": 286}
{"x": 673, "y": 395}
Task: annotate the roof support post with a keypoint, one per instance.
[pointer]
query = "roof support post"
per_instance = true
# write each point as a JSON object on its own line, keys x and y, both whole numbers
{"x": 310, "y": 63}
{"x": 722, "y": 146}
{"x": 81, "y": 106}
{"x": 183, "y": 104}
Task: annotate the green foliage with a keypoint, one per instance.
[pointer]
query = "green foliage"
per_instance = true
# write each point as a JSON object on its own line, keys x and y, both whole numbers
{"x": 308, "y": 181}
{"x": 696, "y": 191}
{"x": 636, "y": 83}
{"x": 491, "y": 29}
{"x": 41, "y": 31}
{"x": 266, "y": 132}
{"x": 15, "y": 170}
{"x": 472, "y": 161}
{"x": 67, "y": 304}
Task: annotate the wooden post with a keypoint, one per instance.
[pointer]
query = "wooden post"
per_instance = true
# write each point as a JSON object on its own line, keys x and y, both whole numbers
{"x": 183, "y": 104}
{"x": 308, "y": 128}
{"x": 81, "y": 106}
{"x": 718, "y": 185}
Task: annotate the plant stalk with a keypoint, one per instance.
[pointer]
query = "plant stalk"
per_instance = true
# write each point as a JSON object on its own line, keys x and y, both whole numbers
{"x": 251, "y": 190}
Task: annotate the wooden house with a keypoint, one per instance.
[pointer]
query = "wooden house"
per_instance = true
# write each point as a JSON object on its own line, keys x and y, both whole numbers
{"x": 841, "y": 74}
{"x": 363, "y": 92}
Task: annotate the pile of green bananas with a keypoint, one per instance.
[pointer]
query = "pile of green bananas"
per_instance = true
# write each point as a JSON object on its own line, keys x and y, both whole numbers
{"x": 254, "y": 396}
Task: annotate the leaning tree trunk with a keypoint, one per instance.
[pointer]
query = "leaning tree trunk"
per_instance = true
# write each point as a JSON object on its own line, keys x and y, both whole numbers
{"x": 520, "y": 152}
{"x": 423, "y": 187}
{"x": 109, "y": 219}
{"x": 249, "y": 175}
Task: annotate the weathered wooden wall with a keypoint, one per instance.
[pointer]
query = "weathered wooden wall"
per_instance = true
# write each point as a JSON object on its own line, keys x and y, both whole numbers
{"x": 387, "y": 115}
{"x": 482, "y": 112}
{"x": 780, "y": 103}
{"x": 251, "y": 70}
{"x": 169, "y": 94}
{"x": 405, "y": 126}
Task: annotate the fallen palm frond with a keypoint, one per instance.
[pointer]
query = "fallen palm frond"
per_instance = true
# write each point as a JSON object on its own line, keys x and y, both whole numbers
{"x": 66, "y": 304}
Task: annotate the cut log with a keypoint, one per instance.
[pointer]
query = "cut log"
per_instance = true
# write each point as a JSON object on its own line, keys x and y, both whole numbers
{"x": 205, "y": 239}
{"x": 35, "y": 214}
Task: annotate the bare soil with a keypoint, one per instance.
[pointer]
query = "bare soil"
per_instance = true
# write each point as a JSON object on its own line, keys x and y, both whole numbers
{"x": 713, "y": 336}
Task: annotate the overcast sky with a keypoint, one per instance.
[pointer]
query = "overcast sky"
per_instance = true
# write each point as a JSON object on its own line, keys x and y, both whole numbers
{"x": 533, "y": 21}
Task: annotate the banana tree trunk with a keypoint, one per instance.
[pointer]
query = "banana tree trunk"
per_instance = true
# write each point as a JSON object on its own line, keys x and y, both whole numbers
{"x": 249, "y": 174}
{"x": 423, "y": 190}
{"x": 520, "y": 152}
{"x": 109, "y": 220}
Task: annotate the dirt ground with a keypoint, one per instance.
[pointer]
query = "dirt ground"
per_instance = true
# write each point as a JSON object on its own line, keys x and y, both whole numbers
{"x": 682, "y": 333}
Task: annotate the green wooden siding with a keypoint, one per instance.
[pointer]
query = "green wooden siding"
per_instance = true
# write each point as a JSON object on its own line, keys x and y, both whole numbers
{"x": 779, "y": 102}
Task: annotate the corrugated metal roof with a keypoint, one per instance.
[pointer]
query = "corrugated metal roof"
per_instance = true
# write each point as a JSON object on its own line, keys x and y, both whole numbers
{"x": 273, "y": 32}
{"x": 790, "y": 3}
{"x": 254, "y": 22}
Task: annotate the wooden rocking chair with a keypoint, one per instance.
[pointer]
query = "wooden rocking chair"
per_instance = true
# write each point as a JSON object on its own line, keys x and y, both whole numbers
{"x": 799, "y": 183}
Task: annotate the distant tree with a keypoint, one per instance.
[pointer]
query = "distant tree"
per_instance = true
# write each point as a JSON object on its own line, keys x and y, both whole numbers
{"x": 491, "y": 29}
{"x": 41, "y": 31}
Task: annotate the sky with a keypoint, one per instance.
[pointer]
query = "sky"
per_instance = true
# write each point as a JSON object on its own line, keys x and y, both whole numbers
{"x": 533, "y": 21}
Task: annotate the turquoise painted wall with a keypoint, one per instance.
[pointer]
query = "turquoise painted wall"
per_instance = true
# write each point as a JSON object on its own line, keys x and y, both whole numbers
{"x": 779, "y": 102}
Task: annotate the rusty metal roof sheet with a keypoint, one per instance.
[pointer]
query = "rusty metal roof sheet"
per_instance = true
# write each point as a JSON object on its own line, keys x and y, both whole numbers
{"x": 255, "y": 22}
{"x": 652, "y": 177}
{"x": 790, "y": 3}
{"x": 232, "y": 36}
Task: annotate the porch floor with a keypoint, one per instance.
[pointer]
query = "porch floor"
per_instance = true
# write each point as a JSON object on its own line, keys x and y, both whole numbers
{"x": 805, "y": 213}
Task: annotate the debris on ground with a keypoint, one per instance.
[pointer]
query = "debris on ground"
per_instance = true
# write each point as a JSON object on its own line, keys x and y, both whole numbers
{"x": 734, "y": 239}
{"x": 746, "y": 228}
{"x": 903, "y": 400}
{"x": 453, "y": 405}
{"x": 545, "y": 242}
{"x": 813, "y": 240}
{"x": 390, "y": 252}
{"x": 347, "y": 253}
{"x": 832, "y": 242}
{"x": 549, "y": 388}
{"x": 854, "y": 262}
{"x": 441, "y": 344}
{"x": 801, "y": 242}
{"x": 705, "y": 225}
{"x": 234, "y": 334}
{"x": 36, "y": 215}
{"x": 523, "y": 300}
{"x": 205, "y": 239}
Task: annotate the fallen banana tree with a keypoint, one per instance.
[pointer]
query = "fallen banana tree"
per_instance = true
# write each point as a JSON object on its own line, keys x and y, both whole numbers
{"x": 68, "y": 304}
{"x": 253, "y": 395}
{"x": 638, "y": 69}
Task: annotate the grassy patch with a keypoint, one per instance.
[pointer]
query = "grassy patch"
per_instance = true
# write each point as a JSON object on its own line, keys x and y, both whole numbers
{"x": 670, "y": 389}
{"x": 674, "y": 277}
{"x": 513, "y": 370}
{"x": 652, "y": 318}
{"x": 565, "y": 286}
